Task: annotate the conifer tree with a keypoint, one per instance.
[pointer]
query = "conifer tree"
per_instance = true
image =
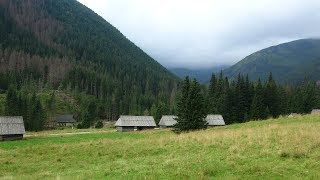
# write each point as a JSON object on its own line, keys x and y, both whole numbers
{"x": 272, "y": 97}
{"x": 212, "y": 106}
{"x": 38, "y": 115}
{"x": 197, "y": 114}
{"x": 161, "y": 109}
{"x": 191, "y": 108}
{"x": 241, "y": 105}
{"x": 11, "y": 107}
{"x": 308, "y": 97}
{"x": 257, "y": 108}
{"x": 182, "y": 107}
{"x": 254, "y": 111}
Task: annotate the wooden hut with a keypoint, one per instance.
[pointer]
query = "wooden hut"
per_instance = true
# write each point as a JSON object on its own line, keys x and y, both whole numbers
{"x": 11, "y": 128}
{"x": 215, "y": 120}
{"x": 65, "y": 120}
{"x": 130, "y": 123}
{"x": 167, "y": 121}
{"x": 315, "y": 111}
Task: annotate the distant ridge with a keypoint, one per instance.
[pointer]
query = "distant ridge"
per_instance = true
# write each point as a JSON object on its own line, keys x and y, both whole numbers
{"x": 203, "y": 75}
{"x": 290, "y": 62}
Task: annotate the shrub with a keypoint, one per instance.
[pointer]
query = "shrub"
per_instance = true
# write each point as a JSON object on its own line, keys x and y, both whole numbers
{"x": 99, "y": 125}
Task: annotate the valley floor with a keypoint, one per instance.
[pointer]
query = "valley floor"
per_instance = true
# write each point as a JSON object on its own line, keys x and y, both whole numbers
{"x": 273, "y": 149}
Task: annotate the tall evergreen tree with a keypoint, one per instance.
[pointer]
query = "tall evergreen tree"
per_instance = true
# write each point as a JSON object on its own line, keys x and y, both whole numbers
{"x": 272, "y": 97}
{"x": 182, "y": 107}
{"x": 198, "y": 111}
{"x": 212, "y": 104}
{"x": 12, "y": 106}
{"x": 191, "y": 108}
{"x": 257, "y": 110}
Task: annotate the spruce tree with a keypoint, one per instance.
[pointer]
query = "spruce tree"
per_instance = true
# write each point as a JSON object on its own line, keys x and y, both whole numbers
{"x": 254, "y": 111}
{"x": 198, "y": 112}
{"x": 272, "y": 97}
{"x": 191, "y": 108}
{"x": 212, "y": 106}
{"x": 241, "y": 105}
{"x": 257, "y": 108}
{"x": 11, "y": 107}
{"x": 182, "y": 107}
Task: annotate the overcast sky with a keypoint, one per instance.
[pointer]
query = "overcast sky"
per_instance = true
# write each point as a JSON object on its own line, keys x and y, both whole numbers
{"x": 205, "y": 33}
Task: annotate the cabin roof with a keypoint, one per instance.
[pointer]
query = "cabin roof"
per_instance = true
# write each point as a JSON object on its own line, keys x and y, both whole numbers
{"x": 143, "y": 121}
{"x": 65, "y": 118}
{"x": 315, "y": 111}
{"x": 215, "y": 120}
{"x": 167, "y": 120}
{"x": 10, "y": 125}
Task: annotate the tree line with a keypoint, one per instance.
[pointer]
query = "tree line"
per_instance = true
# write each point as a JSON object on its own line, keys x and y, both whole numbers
{"x": 242, "y": 100}
{"x": 27, "y": 105}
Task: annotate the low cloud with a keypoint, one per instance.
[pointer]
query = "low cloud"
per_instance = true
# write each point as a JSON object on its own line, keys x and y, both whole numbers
{"x": 205, "y": 33}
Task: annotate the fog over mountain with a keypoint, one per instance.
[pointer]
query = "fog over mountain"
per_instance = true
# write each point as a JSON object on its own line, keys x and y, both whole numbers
{"x": 205, "y": 33}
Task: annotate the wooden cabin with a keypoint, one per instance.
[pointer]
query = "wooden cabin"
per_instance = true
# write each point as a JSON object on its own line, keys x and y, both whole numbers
{"x": 215, "y": 120}
{"x": 315, "y": 111}
{"x": 167, "y": 121}
{"x": 11, "y": 128}
{"x": 131, "y": 123}
{"x": 65, "y": 120}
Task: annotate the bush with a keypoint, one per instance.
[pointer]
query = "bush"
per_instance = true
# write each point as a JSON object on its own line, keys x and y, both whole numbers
{"x": 99, "y": 125}
{"x": 79, "y": 126}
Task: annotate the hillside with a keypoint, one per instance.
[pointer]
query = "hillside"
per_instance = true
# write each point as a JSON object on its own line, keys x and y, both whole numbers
{"x": 203, "y": 75}
{"x": 290, "y": 62}
{"x": 281, "y": 148}
{"x": 63, "y": 44}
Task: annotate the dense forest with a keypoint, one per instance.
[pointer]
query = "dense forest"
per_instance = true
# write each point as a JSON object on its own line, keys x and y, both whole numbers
{"x": 49, "y": 45}
{"x": 241, "y": 100}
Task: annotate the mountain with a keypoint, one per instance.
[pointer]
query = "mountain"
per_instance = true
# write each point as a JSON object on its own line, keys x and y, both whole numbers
{"x": 203, "y": 75}
{"x": 61, "y": 44}
{"x": 290, "y": 62}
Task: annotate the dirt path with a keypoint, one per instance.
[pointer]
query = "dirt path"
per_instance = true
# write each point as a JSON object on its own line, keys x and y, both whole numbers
{"x": 66, "y": 133}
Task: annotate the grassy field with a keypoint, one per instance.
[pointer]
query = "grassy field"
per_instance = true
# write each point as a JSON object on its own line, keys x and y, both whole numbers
{"x": 273, "y": 149}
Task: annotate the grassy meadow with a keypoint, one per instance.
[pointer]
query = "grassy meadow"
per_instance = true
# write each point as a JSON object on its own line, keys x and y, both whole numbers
{"x": 273, "y": 149}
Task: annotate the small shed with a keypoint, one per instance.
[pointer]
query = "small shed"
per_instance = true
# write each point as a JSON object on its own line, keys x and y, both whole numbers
{"x": 292, "y": 115}
{"x": 11, "y": 128}
{"x": 167, "y": 121}
{"x": 315, "y": 111}
{"x": 215, "y": 120}
{"x": 66, "y": 120}
{"x": 130, "y": 123}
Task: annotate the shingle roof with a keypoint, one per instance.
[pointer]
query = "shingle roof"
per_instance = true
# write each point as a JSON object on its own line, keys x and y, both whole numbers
{"x": 167, "y": 120}
{"x": 66, "y": 118}
{"x": 11, "y": 125}
{"x": 144, "y": 121}
{"x": 215, "y": 120}
{"x": 315, "y": 111}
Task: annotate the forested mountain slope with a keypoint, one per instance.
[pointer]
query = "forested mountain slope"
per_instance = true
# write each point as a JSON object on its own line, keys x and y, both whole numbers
{"x": 63, "y": 44}
{"x": 290, "y": 62}
{"x": 203, "y": 75}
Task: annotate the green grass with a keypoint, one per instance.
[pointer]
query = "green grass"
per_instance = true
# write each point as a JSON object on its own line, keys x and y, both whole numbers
{"x": 273, "y": 149}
